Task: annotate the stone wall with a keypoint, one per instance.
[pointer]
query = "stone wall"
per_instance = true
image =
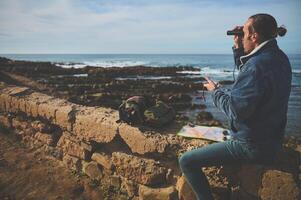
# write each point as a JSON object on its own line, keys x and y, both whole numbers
{"x": 141, "y": 164}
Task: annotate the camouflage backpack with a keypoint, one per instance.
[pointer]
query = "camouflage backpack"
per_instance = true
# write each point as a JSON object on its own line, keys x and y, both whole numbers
{"x": 159, "y": 115}
{"x": 131, "y": 111}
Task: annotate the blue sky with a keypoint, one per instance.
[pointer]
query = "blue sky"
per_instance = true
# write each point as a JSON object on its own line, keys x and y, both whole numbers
{"x": 136, "y": 26}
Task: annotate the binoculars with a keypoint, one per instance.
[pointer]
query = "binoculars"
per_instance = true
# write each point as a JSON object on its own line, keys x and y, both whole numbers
{"x": 235, "y": 32}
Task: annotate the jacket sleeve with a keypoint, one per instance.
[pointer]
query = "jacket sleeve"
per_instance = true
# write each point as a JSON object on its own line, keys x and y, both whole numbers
{"x": 243, "y": 99}
{"x": 237, "y": 53}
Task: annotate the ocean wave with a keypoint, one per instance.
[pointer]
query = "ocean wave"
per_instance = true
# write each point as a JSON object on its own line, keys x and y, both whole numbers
{"x": 115, "y": 63}
{"x": 71, "y": 65}
{"x": 296, "y": 71}
{"x": 144, "y": 78}
{"x": 102, "y": 64}
{"x": 208, "y": 71}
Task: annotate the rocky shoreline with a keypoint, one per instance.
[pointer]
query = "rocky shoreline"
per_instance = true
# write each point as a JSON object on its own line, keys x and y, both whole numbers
{"x": 108, "y": 87}
{"x": 70, "y": 114}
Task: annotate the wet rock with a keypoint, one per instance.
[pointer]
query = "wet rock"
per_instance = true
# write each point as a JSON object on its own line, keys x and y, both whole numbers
{"x": 179, "y": 98}
{"x": 4, "y": 60}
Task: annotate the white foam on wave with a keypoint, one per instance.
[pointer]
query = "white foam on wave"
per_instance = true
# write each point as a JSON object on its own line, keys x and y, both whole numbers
{"x": 205, "y": 71}
{"x": 297, "y": 71}
{"x": 71, "y": 65}
{"x": 101, "y": 64}
{"x": 145, "y": 78}
{"x": 189, "y": 72}
{"x": 115, "y": 63}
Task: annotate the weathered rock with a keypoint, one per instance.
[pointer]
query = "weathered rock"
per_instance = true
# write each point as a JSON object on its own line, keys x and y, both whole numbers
{"x": 102, "y": 159}
{"x": 147, "y": 193}
{"x": 115, "y": 181}
{"x": 45, "y": 138}
{"x": 47, "y": 109}
{"x": 97, "y": 124}
{"x": 138, "y": 142}
{"x": 129, "y": 187}
{"x": 72, "y": 147}
{"x": 9, "y": 100}
{"x": 279, "y": 185}
{"x": 93, "y": 193}
{"x": 72, "y": 162}
{"x": 32, "y": 104}
{"x": 40, "y": 126}
{"x": 143, "y": 171}
{"x": 18, "y": 102}
{"x": 184, "y": 190}
{"x": 19, "y": 124}
{"x": 5, "y": 121}
{"x": 65, "y": 116}
{"x": 92, "y": 170}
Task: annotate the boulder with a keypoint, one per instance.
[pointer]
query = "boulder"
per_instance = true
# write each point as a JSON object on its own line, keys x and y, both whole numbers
{"x": 65, "y": 116}
{"x": 5, "y": 120}
{"x": 140, "y": 170}
{"x": 72, "y": 162}
{"x": 147, "y": 193}
{"x": 72, "y": 147}
{"x": 279, "y": 185}
{"x": 96, "y": 124}
{"x": 19, "y": 124}
{"x": 102, "y": 159}
{"x": 32, "y": 104}
{"x": 138, "y": 142}
{"x": 45, "y": 138}
{"x": 129, "y": 187}
{"x": 92, "y": 170}
{"x": 184, "y": 190}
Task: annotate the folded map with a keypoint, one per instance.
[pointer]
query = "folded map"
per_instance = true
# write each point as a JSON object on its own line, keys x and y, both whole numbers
{"x": 205, "y": 132}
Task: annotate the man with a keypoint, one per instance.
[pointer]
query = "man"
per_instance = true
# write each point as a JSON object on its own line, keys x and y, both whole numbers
{"x": 256, "y": 106}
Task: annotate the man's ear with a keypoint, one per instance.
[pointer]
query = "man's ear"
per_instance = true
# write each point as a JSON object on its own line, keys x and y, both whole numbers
{"x": 255, "y": 37}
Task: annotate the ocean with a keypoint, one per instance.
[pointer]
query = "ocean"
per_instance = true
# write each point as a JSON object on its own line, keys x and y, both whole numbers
{"x": 216, "y": 66}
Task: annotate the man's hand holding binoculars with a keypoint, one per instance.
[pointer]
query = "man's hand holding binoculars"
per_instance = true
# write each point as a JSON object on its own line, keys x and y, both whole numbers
{"x": 238, "y": 37}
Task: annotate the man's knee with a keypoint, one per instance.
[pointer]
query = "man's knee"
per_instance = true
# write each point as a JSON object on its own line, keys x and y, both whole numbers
{"x": 185, "y": 161}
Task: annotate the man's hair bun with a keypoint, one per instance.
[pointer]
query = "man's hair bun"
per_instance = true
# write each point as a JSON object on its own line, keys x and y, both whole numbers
{"x": 281, "y": 31}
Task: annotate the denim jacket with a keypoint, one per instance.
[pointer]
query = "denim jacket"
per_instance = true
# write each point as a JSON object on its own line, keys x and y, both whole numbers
{"x": 257, "y": 104}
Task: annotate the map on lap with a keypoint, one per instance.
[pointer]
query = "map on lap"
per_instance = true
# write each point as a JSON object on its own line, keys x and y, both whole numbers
{"x": 211, "y": 133}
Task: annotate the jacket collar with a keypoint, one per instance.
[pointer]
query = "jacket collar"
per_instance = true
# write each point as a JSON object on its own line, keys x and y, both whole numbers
{"x": 258, "y": 49}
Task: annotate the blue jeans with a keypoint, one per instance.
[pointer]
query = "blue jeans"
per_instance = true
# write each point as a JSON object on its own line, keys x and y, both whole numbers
{"x": 228, "y": 152}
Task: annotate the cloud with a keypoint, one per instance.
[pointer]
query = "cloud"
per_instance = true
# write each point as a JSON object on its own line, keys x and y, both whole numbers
{"x": 132, "y": 26}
